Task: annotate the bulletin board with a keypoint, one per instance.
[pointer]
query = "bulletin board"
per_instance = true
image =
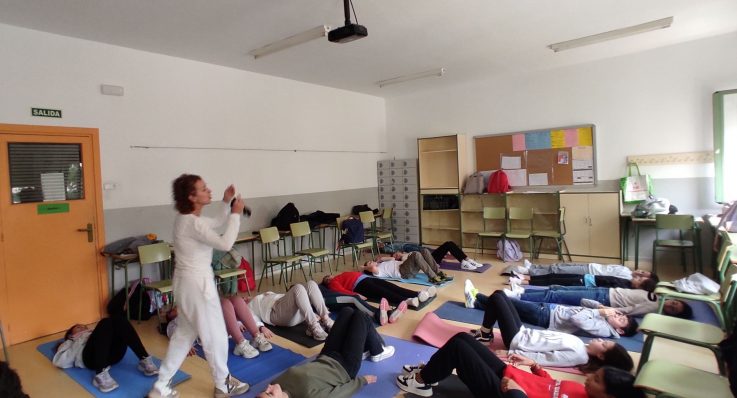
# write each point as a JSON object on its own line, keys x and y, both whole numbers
{"x": 555, "y": 156}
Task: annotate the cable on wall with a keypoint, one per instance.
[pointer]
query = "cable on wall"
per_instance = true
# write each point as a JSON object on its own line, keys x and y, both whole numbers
{"x": 250, "y": 149}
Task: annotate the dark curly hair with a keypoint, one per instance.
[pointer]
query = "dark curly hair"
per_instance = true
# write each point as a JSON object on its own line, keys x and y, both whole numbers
{"x": 631, "y": 328}
{"x": 617, "y": 357}
{"x": 181, "y": 189}
{"x": 10, "y": 385}
{"x": 620, "y": 384}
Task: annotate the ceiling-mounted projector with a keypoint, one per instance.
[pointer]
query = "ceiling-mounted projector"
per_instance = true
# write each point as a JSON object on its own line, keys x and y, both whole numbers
{"x": 349, "y": 32}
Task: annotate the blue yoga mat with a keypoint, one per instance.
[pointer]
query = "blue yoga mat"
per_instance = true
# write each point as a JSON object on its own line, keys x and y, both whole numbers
{"x": 265, "y": 366}
{"x": 406, "y": 352}
{"x": 457, "y": 311}
{"x": 419, "y": 279}
{"x": 132, "y": 382}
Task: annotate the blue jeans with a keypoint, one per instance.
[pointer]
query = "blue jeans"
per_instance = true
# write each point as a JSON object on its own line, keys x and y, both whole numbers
{"x": 569, "y": 295}
{"x": 537, "y": 314}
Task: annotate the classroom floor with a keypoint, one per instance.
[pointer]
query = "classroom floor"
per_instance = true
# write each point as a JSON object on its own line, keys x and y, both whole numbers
{"x": 41, "y": 379}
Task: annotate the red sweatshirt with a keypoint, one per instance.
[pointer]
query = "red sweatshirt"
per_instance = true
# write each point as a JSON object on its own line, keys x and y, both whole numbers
{"x": 343, "y": 283}
{"x": 539, "y": 384}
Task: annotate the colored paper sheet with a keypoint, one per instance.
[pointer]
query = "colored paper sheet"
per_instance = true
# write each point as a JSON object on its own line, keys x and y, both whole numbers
{"x": 511, "y": 162}
{"x": 517, "y": 178}
{"x": 585, "y": 137}
{"x": 538, "y": 140}
{"x": 518, "y": 142}
{"x": 583, "y": 177}
{"x": 538, "y": 179}
{"x": 571, "y": 137}
{"x": 582, "y": 153}
{"x": 558, "y": 139}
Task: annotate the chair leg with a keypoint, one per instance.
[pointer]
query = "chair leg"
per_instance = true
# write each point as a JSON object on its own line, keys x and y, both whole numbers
{"x": 565, "y": 245}
{"x": 655, "y": 259}
{"x": 645, "y": 351}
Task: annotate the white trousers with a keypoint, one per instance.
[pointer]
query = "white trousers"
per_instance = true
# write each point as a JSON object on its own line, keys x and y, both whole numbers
{"x": 199, "y": 314}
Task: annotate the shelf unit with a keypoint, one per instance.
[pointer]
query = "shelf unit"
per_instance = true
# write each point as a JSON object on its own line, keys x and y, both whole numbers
{"x": 443, "y": 165}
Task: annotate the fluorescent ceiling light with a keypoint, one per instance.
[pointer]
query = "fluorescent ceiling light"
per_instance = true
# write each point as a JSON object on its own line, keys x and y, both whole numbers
{"x": 291, "y": 41}
{"x": 421, "y": 75}
{"x": 613, "y": 34}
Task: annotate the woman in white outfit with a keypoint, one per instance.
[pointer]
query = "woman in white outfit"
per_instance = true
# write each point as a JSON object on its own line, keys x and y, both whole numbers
{"x": 200, "y": 313}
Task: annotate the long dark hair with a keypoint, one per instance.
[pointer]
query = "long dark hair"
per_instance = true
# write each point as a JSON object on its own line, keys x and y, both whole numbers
{"x": 10, "y": 385}
{"x": 631, "y": 328}
{"x": 620, "y": 384}
{"x": 616, "y": 357}
{"x": 181, "y": 189}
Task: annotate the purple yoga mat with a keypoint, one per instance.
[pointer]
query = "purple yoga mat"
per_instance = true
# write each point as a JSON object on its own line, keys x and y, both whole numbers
{"x": 453, "y": 266}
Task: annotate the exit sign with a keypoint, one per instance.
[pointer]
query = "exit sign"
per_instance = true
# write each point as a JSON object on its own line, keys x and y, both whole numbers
{"x": 41, "y": 112}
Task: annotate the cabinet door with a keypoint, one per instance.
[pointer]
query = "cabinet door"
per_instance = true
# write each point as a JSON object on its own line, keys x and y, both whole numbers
{"x": 604, "y": 233}
{"x": 577, "y": 222}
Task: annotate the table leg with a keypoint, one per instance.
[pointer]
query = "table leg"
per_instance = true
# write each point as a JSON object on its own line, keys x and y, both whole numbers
{"x": 637, "y": 244}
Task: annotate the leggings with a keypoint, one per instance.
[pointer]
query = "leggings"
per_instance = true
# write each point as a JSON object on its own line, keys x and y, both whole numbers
{"x": 235, "y": 309}
{"x": 499, "y": 308}
{"x": 557, "y": 279}
{"x": 479, "y": 369}
{"x": 336, "y": 302}
{"x": 375, "y": 289}
{"x": 109, "y": 342}
{"x": 351, "y": 335}
{"x": 446, "y": 247}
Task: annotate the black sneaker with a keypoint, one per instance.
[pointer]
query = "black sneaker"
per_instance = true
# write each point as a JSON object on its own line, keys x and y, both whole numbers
{"x": 409, "y": 384}
{"x": 481, "y": 336}
{"x": 444, "y": 276}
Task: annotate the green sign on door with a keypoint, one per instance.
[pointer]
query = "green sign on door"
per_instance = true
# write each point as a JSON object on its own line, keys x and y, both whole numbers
{"x": 52, "y": 209}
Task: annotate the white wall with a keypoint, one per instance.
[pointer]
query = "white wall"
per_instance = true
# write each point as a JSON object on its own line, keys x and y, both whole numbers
{"x": 647, "y": 103}
{"x": 175, "y": 102}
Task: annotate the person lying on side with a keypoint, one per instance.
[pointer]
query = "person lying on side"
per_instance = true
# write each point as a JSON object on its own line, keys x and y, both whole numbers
{"x": 616, "y": 270}
{"x": 547, "y": 347}
{"x": 627, "y": 301}
{"x": 487, "y": 376}
{"x": 333, "y": 374}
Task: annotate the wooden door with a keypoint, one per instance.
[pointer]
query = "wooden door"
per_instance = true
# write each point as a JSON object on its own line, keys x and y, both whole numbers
{"x": 577, "y": 222}
{"x": 604, "y": 233}
{"x": 50, "y": 208}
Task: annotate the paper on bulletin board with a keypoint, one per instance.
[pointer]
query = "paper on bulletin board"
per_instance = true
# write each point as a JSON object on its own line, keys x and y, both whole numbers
{"x": 583, "y": 164}
{"x": 537, "y": 140}
{"x": 585, "y": 138}
{"x": 583, "y": 177}
{"x": 558, "y": 139}
{"x": 511, "y": 162}
{"x": 518, "y": 142}
{"x": 538, "y": 179}
{"x": 517, "y": 178}
{"x": 582, "y": 153}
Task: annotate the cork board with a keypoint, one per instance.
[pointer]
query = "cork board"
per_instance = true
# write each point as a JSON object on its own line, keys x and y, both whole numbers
{"x": 556, "y": 156}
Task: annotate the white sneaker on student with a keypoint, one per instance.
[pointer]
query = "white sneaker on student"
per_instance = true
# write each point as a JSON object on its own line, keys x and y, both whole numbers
{"x": 511, "y": 294}
{"x": 423, "y": 296}
{"x": 470, "y": 292}
{"x": 467, "y": 265}
{"x": 261, "y": 342}
{"x": 432, "y": 291}
{"x": 104, "y": 382}
{"x": 526, "y": 263}
{"x": 388, "y": 352}
{"x": 160, "y": 390}
{"x": 474, "y": 262}
{"x": 413, "y": 302}
{"x": 409, "y": 369}
{"x": 245, "y": 350}
{"x": 316, "y": 332}
{"x": 147, "y": 366}
{"x": 409, "y": 384}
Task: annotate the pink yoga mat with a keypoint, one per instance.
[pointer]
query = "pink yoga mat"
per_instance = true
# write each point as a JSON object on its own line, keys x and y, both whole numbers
{"x": 436, "y": 332}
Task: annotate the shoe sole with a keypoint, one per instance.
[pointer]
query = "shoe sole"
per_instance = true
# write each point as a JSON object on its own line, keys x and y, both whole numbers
{"x": 97, "y": 385}
{"x": 398, "y": 312}
{"x": 383, "y": 316}
{"x": 404, "y": 387}
{"x": 143, "y": 370}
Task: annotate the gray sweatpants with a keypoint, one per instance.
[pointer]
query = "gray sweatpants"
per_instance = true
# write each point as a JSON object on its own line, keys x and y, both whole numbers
{"x": 419, "y": 261}
{"x": 559, "y": 268}
{"x": 296, "y": 306}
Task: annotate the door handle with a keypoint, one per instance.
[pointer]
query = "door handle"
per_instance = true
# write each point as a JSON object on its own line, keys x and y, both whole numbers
{"x": 89, "y": 232}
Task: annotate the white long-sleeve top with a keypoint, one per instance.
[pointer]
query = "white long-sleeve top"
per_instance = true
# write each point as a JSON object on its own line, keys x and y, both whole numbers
{"x": 69, "y": 353}
{"x": 580, "y": 319}
{"x": 632, "y": 301}
{"x": 619, "y": 271}
{"x": 549, "y": 348}
{"x": 196, "y": 236}
{"x": 261, "y": 307}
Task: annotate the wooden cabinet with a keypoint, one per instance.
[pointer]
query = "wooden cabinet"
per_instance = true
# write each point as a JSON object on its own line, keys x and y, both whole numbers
{"x": 592, "y": 224}
{"x": 443, "y": 166}
{"x": 398, "y": 190}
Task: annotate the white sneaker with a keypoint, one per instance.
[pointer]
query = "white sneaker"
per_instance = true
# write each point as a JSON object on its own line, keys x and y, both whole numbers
{"x": 515, "y": 286}
{"x": 160, "y": 390}
{"x": 468, "y": 266}
{"x": 387, "y": 353}
{"x": 147, "y": 366}
{"x": 511, "y": 294}
{"x": 409, "y": 384}
{"x": 521, "y": 269}
{"x": 409, "y": 369}
{"x": 316, "y": 332}
{"x": 245, "y": 350}
{"x": 526, "y": 263}
{"x": 233, "y": 387}
{"x": 414, "y": 302}
{"x": 261, "y": 342}
{"x": 423, "y": 296}
{"x": 470, "y": 292}
{"x": 432, "y": 291}
{"x": 474, "y": 262}
{"x": 104, "y": 382}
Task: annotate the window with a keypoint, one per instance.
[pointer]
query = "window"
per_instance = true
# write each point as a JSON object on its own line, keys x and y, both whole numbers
{"x": 45, "y": 172}
{"x": 725, "y": 145}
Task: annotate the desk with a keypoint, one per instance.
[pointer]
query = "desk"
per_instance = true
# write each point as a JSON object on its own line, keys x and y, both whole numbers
{"x": 118, "y": 261}
{"x": 638, "y": 222}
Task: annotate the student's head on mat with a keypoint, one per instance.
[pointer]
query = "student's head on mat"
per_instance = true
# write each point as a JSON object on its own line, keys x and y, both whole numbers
{"x": 187, "y": 189}
{"x": 642, "y": 273}
{"x": 273, "y": 391}
{"x": 371, "y": 267}
{"x": 678, "y": 308}
{"x": 606, "y": 353}
{"x": 609, "y": 382}
{"x": 625, "y": 325}
{"x": 74, "y": 331}
{"x": 646, "y": 282}
{"x": 326, "y": 279}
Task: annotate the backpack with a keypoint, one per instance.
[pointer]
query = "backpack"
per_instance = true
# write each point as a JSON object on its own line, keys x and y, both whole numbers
{"x": 498, "y": 182}
{"x": 508, "y": 250}
{"x": 352, "y": 231}
{"x": 287, "y": 215}
{"x": 359, "y": 208}
{"x": 249, "y": 281}
{"x": 474, "y": 184}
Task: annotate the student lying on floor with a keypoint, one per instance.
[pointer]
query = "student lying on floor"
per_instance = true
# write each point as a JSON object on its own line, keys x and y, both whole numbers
{"x": 238, "y": 318}
{"x": 589, "y": 280}
{"x": 406, "y": 266}
{"x": 616, "y": 270}
{"x": 438, "y": 254}
{"x": 626, "y": 301}
{"x": 334, "y": 373}
{"x": 294, "y": 307}
{"x": 488, "y": 376}
{"x": 547, "y": 347}
{"x": 384, "y": 314}
{"x": 354, "y": 282}
{"x": 101, "y": 348}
